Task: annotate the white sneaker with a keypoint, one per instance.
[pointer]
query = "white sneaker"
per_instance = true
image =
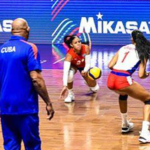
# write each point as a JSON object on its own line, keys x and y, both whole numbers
{"x": 145, "y": 138}
{"x": 69, "y": 98}
{"x": 127, "y": 128}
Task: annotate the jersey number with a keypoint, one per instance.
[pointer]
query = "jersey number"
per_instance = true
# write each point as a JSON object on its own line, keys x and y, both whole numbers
{"x": 125, "y": 56}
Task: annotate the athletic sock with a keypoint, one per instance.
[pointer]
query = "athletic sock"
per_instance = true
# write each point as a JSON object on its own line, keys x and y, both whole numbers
{"x": 124, "y": 117}
{"x": 145, "y": 127}
{"x": 70, "y": 91}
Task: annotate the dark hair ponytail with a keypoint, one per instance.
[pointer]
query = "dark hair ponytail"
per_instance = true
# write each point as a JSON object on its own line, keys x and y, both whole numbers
{"x": 142, "y": 45}
{"x": 68, "y": 39}
{"x": 86, "y": 43}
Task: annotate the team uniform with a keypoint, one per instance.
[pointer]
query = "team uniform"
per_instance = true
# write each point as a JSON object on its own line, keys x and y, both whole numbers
{"x": 128, "y": 61}
{"x": 18, "y": 100}
{"x": 78, "y": 60}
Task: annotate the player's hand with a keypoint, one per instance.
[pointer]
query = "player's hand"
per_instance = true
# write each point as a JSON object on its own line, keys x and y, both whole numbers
{"x": 83, "y": 73}
{"x": 147, "y": 74}
{"x": 63, "y": 92}
{"x": 50, "y": 111}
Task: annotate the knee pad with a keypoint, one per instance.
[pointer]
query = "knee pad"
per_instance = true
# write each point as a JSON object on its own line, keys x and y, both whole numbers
{"x": 123, "y": 97}
{"x": 95, "y": 88}
{"x": 147, "y": 102}
{"x": 71, "y": 75}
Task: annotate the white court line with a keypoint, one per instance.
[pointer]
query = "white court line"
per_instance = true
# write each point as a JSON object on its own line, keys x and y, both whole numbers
{"x": 58, "y": 60}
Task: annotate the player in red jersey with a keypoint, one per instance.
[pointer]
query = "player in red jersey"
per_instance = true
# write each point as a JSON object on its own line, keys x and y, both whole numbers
{"x": 77, "y": 58}
{"x": 123, "y": 64}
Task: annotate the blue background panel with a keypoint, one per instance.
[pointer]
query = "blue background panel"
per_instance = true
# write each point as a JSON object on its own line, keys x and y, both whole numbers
{"x": 51, "y": 20}
{"x": 115, "y": 11}
{"x": 37, "y": 13}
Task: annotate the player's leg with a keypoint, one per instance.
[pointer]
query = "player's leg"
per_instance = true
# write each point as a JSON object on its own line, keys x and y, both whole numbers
{"x": 30, "y": 131}
{"x": 11, "y": 135}
{"x": 93, "y": 85}
{"x": 138, "y": 92}
{"x": 70, "y": 96}
{"x": 126, "y": 126}
{"x": 115, "y": 82}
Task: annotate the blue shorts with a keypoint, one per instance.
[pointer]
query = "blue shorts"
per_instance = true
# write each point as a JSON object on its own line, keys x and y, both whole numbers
{"x": 16, "y": 128}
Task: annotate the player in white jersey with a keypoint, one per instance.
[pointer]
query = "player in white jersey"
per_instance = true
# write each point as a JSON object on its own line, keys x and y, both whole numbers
{"x": 124, "y": 60}
{"x": 123, "y": 64}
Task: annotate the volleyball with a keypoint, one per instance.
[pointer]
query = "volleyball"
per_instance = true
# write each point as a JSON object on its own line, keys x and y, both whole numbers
{"x": 94, "y": 73}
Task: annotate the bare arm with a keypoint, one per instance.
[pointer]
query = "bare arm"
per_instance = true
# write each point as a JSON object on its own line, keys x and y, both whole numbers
{"x": 142, "y": 70}
{"x": 68, "y": 58}
{"x": 88, "y": 49}
{"x": 113, "y": 61}
{"x": 40, "y": 87}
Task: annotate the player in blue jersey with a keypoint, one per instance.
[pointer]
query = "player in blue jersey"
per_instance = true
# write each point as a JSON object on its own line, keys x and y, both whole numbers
{"x": 20, "y": 83}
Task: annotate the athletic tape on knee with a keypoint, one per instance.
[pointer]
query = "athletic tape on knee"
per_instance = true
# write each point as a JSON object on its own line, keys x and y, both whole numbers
{"x": 147, "y": 102}
{"x": 71, "y": 75}
{"x": 123, "y": 97}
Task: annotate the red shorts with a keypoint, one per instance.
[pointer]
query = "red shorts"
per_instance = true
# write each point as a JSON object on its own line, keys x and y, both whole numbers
{"x": 118, "y": 80}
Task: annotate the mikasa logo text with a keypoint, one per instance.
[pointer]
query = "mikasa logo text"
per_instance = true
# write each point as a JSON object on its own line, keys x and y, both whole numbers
{"x": 89, "y": 25}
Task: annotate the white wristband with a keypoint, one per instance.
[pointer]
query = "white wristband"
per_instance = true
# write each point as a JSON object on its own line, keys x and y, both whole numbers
{"x": 87, "y": 63}
{"x": 67, "y": 65}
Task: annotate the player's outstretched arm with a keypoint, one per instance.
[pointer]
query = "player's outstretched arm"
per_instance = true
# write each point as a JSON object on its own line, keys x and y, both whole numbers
{"x": 87, "y": 61}
{"x": 67, "y": 65}
{"x": 113, "y": 61}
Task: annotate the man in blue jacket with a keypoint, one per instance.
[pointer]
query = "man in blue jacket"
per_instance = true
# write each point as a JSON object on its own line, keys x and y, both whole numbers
{"x": 20, "y": 83}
